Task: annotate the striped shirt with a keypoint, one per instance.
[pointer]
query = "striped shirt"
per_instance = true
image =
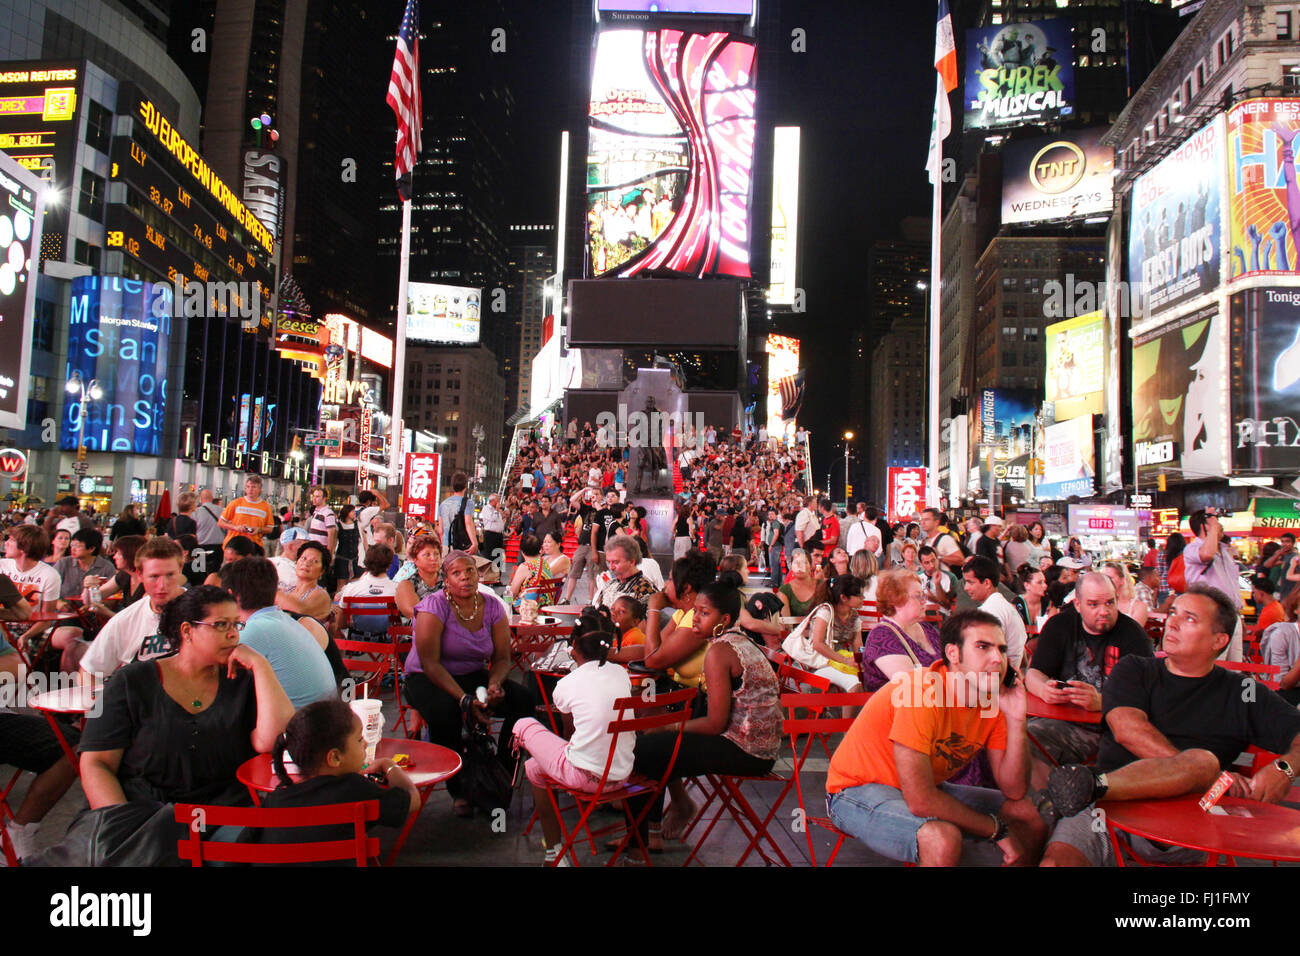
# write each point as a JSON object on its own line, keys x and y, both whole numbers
{"x": 320, "y": 523}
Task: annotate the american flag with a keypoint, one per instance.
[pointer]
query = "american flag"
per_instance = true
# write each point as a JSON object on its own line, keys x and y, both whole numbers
{"x": 404, "y": 96}
{"x": 791, "y": 388}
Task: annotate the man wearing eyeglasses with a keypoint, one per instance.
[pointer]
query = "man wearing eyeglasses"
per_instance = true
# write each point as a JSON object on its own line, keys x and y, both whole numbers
{"x": 297, "y": 659}
{"x": 159, "y": 561}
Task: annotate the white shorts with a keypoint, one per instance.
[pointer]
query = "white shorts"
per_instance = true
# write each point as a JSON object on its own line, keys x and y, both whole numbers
{"x": 845, "y": 682}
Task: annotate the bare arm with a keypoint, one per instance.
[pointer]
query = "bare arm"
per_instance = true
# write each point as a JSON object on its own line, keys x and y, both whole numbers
{"x": 924, "y": 799}
{"x": 720, "y": 665}
{"x": 18, "y": 611}
{"x": 1134, "y": 732}
{"x": 274, "y": 709}
{"x": 99, "y": 778}
{"x": 406, "y": 599}
{"x": 317, "y": 604}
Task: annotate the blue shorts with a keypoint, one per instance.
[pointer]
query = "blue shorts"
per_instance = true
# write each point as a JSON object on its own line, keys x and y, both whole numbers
{"x": 878, "y": 815}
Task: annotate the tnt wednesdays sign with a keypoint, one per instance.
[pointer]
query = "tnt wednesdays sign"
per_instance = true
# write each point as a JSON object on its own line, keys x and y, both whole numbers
{"x": 420, "y": 481}
{"x": 906, "y": 493}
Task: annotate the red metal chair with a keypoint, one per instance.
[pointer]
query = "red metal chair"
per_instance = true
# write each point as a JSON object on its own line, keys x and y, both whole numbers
{"x": 1267, "y": 674}
{"x": 6, "y": 846}
{"x": 808, "y": 728}
{"x": 198, "y": 819}
{"x": 635, "y": 786}
{"x": 369, "y": 658}
{"x": 403, "y": 640}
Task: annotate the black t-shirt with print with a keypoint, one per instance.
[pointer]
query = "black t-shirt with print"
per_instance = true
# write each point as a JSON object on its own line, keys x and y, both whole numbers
{"x": 1223, "y": 712}
{"x": 1065, "y": 651}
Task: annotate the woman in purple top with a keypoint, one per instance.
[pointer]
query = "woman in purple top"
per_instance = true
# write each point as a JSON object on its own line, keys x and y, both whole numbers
{"x": 462, "y": 643}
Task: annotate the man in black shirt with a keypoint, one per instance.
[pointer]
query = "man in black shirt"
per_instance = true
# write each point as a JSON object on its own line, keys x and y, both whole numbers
{"x": 546, "y": 521}
{"x": 1080, "y": 646}
{"x": 1172, "y": 725}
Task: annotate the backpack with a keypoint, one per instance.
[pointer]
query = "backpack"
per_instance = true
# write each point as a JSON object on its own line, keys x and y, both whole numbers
{"x": 1177, "y": 575}
{"x": 459, "y": 537}
{"x": 276, "y": 528}
{"x": 961, "y": 545}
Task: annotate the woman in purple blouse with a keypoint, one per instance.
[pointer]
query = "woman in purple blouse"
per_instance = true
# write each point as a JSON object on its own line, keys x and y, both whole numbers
{"x": 462, "y": 643}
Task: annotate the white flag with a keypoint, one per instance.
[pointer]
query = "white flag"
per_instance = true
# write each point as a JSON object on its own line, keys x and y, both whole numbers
{"x": 940, "y": 127}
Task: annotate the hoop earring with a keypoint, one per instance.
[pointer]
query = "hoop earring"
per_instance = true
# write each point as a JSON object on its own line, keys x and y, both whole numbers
{"x": 718, "y": 630}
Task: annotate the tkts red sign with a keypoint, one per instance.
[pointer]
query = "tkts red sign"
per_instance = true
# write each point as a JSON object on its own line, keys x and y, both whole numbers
{"x": 420, "y": 480}
{"x": 906, "y": 493}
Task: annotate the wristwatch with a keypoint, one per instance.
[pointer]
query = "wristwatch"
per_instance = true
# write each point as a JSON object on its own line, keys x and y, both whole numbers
{"x": 1001, "y": 832}
{"x": 1285, "y": 767}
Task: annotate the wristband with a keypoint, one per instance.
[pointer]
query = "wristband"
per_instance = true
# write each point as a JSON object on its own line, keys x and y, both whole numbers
{"x": 999, "y": 828}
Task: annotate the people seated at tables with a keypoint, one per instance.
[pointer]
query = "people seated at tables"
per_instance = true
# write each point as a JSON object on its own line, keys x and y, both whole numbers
{"x": 980, "y": 578}
{"x": 84, "y": 560}
{"x": 532, "y": 571}
{"x": 942, "y": 587}
{"x": 36, "y": 581}
{"x": 286, "y": 562}
{"x": 833, "y": 633}
{"x": 1032, "y": 603}
{"x": 585, "y": 697}
{"x": 628, "y": 615}
{"x": 239, "y": 546}
{"x": 176, "y": 729}
{"x": 306, "y": 597}
{"x": 622, "y": 555}
{"x": 374, "y": 583}
{"x": 125, "y": 582}
{"x": 673, "y": 646}
{"x": 462, "y": 643}
{"x": 799, "y": 592}
{"x": 1078, "y": 647}
{"x": 324, "y": 741}
{"x": 117, "y": 644}
{"x": 1172, "y": 725}
{"x": 387, "y": 533}
{"x": 58, "y": 546}
{"x": 1125, "y": 592}
{"x": 1279, "y": 646}
{"x": 889, "y": 782}
{"x": 298, "y": 660}
{"x": 28, "y": 743}
{"x": 740, "y": 732}
{"x": 420, "y": 575}
{"x": 864, "y": 567}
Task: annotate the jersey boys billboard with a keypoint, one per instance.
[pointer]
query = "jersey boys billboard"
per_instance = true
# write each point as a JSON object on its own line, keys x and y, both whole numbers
{"x": 1019, "y": 73}
{"x": 670, "y": 153}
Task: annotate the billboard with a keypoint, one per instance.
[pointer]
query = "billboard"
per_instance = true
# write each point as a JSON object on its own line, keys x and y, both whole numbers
{"x": 20, "y": 243}
{"x": 1174, "y": 245}
{"x": 785, "y": 214}
{"x": 1266, "y": 380}
{"x": 1076, "y": 365}
{"x": 1275, "y": 517}
{"x": 1057, "y": 177}
{"x": 743, "y": 8}
{"x": 1180, "y": 385}
{"x": 1263, "y": 198}
{"x": 421, "y": 478}
{"x": 38, "y": 118}
{"x": 442, "y": 313}
{"x": 782, "y": 362}
{"x": 119, "y": 334}
{"x": 1019, "y": 73}
{"x": 1002, "y": 438}
{"x": 1103, "y": 521}
{"x": 670, "y": 153}
{"x": 1069, "y": 461}
{"x": 906, "y": 493}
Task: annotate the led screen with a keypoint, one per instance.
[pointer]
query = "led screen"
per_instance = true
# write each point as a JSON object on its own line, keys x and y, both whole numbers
{"x": 442, "y": 313}
{"x": 1076, "y": 364}
{"x": 20, "y": 239}
{"x": 782, "y": 363}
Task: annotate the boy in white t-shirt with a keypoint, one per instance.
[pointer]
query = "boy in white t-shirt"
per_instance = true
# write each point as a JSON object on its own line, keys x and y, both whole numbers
{"x": 35, "y": 580}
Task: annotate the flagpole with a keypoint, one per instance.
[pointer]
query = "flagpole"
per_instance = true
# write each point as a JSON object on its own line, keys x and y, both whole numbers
{"x": 936, "y": 285}
{"x": 399, "y": 353}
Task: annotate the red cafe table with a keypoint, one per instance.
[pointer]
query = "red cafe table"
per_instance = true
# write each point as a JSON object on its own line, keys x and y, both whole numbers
{"x": 78, "y": 700}
{"x": 1037, "y": 707}
{"x": 430, "y": 765}
{"x": 1248, "y": 829}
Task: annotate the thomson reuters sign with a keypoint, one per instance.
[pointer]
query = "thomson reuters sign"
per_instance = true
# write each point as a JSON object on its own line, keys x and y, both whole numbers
{"x": 1057, "y": 177}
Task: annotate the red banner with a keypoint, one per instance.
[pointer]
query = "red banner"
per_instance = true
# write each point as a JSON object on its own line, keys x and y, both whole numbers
{"x": 420, "y": 480}
{"x": 906, "y": 493}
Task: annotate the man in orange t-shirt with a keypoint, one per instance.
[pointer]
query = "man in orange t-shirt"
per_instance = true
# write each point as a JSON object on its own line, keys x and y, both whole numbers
{"x": 248, "y": 516}
{"x": 887, "y": 780}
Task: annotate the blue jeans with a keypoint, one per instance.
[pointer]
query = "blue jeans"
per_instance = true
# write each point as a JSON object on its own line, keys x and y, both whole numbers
{"x": 878, "y": 815}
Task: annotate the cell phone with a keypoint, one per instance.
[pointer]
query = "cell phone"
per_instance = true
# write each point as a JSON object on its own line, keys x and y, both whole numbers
{"x": 1009, "y": 680}
{"x": 1062, "y": 684}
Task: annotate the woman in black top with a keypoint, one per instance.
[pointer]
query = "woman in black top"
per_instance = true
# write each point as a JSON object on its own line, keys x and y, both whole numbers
{"x": 127, "y": 523}
{"x": 740, "y": 534}
{"x": 345, "y": 554}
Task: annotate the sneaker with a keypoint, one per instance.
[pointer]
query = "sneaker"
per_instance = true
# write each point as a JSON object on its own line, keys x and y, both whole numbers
{"x": 553, "y": 853}
{"x": 1071, "y": 788}
{"x": 23, "y": 838}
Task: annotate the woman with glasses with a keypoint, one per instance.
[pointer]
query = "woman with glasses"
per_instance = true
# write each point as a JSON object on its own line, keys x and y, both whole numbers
{"x": 901, "y": 641}
{"x": 175, "y": 729}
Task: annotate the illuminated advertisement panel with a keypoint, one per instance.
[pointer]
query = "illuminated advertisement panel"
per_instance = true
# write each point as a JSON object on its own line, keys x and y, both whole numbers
{"x": 1263, "y": 198}
{"x": 1069, "y": 461}
{"x": 20, "y": 243}
{"x": 1003, "y": 437}
{"x": 38, "y": 117}
{"x": 743, "y": 8}
{"x": 670, "y": 153}
{"x": 1180, "y": 386}
{"x": 1174, "y": 246}
{"x": 1103, "y": 521}
{"x": 906, "y": 493}
{"x": 442, "y": 313}
{"x": 1057, "y": 177}
{"x": 119, "y": 335}
{"x": 1076, "y": 364}
{"x": 421, "y": 479}
{"x": 1019, "y": 73}
{"x": 785, "y": 214}
{"x": 1265, "y": 380}
{"x": 782, "y": 363}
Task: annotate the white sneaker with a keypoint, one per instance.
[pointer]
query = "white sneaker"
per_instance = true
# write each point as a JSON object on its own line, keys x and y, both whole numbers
{"x": 23, "y": 838}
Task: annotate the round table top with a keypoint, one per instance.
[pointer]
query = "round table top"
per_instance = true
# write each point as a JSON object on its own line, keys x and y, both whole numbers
{"x": 40, "y": 617}
{"x": 568, "y": 610}
{"x": 65, "y": 700}
{"x": 1260, "y": 831}
{"x": 430, "y": 764}
{"x": 1075, "y": 715}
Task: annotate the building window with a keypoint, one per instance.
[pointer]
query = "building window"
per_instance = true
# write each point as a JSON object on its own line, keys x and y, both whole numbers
{"x": 91, "y": 203}
{"x": 1284, "y": 24}
{"x": 1200, "y": 75}
{"x": 99, "y": 123}
{"x": 1291, "y": 78}
{"x": 85, "y": 254}
{"x": 43, "y": 327}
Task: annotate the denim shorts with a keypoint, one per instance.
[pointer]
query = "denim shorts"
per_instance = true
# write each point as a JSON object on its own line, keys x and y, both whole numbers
{"x": 878, "y": 815}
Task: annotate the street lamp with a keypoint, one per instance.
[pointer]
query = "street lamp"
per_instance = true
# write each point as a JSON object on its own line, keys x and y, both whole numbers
{"x": 478, "y": 433}
{"x": 848, "y": 437}
{"x": 92, "y": 392}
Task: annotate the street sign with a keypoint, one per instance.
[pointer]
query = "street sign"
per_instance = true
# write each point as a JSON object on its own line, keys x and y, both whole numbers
{"x": 320, "y": 441}
{"x": 80, "y": 467}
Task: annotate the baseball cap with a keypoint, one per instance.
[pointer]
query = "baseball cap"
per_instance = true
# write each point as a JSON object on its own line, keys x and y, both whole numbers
{"x": 290, "y": 532}
{"x": 1073, "y": 563}
{"x": 994, "y": 520}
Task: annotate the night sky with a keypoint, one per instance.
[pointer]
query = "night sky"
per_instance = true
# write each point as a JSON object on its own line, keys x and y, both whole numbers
{"x": 863, "y": 93}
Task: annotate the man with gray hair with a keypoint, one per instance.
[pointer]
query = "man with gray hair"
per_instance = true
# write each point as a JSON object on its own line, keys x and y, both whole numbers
{"x": 493, "y": 523}
{"x": 1077, "y": 650}
{"x": 622, "y": 555}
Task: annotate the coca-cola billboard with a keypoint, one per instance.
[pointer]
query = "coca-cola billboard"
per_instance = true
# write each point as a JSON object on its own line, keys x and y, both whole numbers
{"x": 906, "y": 493}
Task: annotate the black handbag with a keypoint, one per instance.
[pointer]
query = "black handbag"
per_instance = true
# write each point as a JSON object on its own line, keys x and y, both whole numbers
{"x": 136, "y": 833}
{"x": 484, "y": 782}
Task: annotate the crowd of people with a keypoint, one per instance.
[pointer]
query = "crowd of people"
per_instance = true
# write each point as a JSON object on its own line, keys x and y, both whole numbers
{"x": 229, "y": 617}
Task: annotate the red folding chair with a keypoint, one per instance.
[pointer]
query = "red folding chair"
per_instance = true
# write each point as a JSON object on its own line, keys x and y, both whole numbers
{"x": 6, "y": 846}
{"x": 636, "y": 785}
{"x": 367, "y": 662}
{"x": 403, "y": 640}
{"x": 198, "y": 819}
{"x": 1267, "y": 674}
{"x": 808, "y": 728}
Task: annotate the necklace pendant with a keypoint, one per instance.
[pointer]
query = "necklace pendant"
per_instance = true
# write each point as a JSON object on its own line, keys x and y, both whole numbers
{"x": 198, "y": 704}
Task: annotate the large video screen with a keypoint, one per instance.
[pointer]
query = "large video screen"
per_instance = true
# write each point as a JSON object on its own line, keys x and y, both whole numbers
{"x": 442, "y": 313}
{"x": 1263, "y": 198}
{"x": 1069, "y": 461}
{"x": 1057, "y": 177}
{"x": 670, "y": 153}
{"x": 736, "y": 7}
{"x": 1003, "y": 438}
{"x": 1019, "y": 73}
{"x": 1173, "y": 239}
{"x": 1266, "y": 380}
{"x": 119, "y": 335}
{"x": 20, "y": 242}
{"x": 782, "y": 363}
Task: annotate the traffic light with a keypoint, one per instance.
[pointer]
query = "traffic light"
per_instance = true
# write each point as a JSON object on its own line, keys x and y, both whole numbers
{"x": 296, "y": 448}
{"x": 848, "y": 492}
{"x": 1160, "y": 483}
